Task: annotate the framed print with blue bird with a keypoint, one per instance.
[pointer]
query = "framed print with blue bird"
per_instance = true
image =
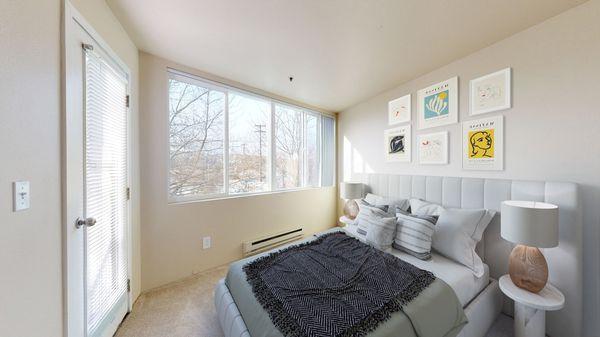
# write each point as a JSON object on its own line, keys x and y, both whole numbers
{"x": 397, "y": 143}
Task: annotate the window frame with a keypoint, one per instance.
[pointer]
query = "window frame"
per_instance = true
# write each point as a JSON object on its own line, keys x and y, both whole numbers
{"x": 177, "y": 75}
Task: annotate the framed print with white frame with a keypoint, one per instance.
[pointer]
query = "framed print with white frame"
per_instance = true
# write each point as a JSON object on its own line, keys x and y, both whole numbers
{"x": 399, "y": 110}
{"x": 397, "y": 144}
{"x": 433, "y": 148}
{"x": 438, "y": 104}
{"x": 483, "y": 144}
{"x": 491, "y": 92}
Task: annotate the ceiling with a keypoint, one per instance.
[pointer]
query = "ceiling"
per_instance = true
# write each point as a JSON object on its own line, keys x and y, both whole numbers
{"x": 339, "y": 52}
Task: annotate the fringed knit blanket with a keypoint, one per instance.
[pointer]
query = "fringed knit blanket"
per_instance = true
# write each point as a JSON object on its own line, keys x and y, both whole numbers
{"x": 333, "y": 286}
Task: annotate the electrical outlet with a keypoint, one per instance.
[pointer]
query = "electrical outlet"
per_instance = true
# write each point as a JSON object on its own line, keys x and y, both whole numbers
{"x": 206, "y": 242}
{"x": 20, "y": 195}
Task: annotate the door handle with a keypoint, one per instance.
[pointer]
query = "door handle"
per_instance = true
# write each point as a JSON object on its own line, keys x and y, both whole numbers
{"x": 89, "y": 222}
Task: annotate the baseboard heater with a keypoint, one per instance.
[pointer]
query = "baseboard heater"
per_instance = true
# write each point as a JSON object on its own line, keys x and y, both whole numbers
{"x": 267, "y": 242}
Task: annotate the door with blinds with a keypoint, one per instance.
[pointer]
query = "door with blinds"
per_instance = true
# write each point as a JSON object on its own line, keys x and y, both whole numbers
{"x": 95, "y": 148}
{"x": 105, "y": 194}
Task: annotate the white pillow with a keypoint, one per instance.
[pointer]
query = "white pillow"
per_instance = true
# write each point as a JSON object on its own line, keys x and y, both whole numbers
{"x": 421, "y": 207}
{"x": 457, "y": 232}
{"x": 373, "y": 199}
{"x": 392, "y": 203}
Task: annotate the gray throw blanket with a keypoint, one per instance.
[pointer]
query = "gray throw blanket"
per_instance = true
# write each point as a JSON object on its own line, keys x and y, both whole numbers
{"x": 333, "y": 286}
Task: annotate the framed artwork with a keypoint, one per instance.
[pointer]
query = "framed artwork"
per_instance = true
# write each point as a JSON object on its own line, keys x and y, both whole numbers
{"x": 483, "y": 144}
{"x": 438, "y": 104}
{"x": 397, "y": 144}
{"x": 490, "y": 92}
{"x": 399, "y": 110}
{"x": 433, "y": 148}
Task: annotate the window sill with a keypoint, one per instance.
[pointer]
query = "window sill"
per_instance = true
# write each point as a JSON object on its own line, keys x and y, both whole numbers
{"x": 219, "y": 197}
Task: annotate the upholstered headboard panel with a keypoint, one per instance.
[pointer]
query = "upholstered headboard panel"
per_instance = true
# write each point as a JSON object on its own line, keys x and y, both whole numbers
{"x": 564, "y": 261}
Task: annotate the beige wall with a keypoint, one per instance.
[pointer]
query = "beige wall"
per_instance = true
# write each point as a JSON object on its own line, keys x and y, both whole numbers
{"x": 99, "y": 15}
{"x": 31, "y": 291}
{"x": 551, "y": 133}
{"x": 172, "y": 233}
{"x": 30, "y": 241}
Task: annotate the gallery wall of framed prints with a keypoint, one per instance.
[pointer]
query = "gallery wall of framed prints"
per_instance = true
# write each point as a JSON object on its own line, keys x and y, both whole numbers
{"x": 438, "y": 106}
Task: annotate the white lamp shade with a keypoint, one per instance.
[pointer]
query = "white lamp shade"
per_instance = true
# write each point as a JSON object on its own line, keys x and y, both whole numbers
{"x": 530, "y": 223}
{"x": 351, "y": 190}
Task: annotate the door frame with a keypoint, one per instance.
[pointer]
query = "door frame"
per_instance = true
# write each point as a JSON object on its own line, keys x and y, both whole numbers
{"x": 72, "y": 167}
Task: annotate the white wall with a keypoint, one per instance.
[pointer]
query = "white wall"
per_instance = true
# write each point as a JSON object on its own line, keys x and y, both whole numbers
{"x": 551, "y": 133}
{"x": 31, "y": 291}
{"x": 172, "y": 233}
{"x": 30, "y": 241}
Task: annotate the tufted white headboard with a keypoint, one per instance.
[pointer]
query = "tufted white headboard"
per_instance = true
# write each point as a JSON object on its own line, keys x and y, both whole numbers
{"x": 564, "y": 262}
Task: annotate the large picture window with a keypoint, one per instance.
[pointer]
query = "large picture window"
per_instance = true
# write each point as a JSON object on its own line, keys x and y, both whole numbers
{"x": 226, "y": 142}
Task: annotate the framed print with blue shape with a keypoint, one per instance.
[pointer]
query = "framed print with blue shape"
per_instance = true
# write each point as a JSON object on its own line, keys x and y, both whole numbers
{"x": 438, "y": 104}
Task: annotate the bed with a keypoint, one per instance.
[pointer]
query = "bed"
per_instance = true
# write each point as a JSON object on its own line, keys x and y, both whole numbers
{"x": 480, "y": 297}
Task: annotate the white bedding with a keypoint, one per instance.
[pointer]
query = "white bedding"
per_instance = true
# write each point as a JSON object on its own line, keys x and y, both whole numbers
{"x": 459, "y": 277}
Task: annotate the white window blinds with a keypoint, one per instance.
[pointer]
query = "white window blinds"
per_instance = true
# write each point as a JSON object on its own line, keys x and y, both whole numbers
{"x": 105, "y": 190}
{"x": 328, "y": 158}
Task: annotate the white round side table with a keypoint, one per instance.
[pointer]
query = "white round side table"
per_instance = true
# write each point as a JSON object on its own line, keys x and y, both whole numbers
{"x": 530, "y": 308}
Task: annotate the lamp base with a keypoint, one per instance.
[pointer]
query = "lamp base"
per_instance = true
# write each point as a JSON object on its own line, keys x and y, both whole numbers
{"x": 528, "y": 268}
{"x": 351, "y": 209}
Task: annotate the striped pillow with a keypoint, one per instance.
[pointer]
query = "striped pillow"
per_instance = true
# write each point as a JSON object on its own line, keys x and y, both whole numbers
{"x": 414, "y": 233}
{"x": 365, "y": 211}
{"x": 375, "y": 225}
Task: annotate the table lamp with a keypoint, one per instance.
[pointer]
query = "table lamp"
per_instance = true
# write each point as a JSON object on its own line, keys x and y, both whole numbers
{"x": 530, "y": 225}
{"x": 350, "y": 192}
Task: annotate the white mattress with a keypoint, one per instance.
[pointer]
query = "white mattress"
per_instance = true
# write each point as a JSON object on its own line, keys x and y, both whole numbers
{"x": 460, "y": 278}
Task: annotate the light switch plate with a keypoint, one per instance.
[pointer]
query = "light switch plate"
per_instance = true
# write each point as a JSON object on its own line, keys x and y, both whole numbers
{"x": 206, "y": 242}
{"x": 20, "y": 195}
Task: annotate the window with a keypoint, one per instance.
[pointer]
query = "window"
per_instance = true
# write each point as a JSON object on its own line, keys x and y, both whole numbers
{"x": 196, "y": 125}
{"x": 312, "y": 145}
{"x": 249, "y": 139}
{"x": 288, "y": 147}
{"x": 225, "y": 141}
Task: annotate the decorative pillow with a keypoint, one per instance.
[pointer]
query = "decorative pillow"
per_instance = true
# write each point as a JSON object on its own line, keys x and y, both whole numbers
{"x": 375, "y": 225}
{"x": 457, "y": 232}
{"x": 414, "y": 233}
{"x": 365, "y": 210}
{"x": 381, "y": 231}
{"x": 421, "y": 207}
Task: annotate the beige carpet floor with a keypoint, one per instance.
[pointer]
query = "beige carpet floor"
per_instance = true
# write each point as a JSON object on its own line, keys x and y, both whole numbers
{"x": 186, "y": 309}
{"x": 180, "y": 309}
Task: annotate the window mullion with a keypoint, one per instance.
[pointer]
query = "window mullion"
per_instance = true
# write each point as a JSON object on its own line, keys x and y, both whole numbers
{"x": 303, "y": 163}
{"x": 319, "y": 154}
{"x": 272, "y": 172}
{"x": 226, "y": 145}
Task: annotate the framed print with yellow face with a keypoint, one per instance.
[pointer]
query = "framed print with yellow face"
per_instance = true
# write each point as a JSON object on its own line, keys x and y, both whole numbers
{"x": 483, "y": 144}
{"x": 438, "y": 104}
